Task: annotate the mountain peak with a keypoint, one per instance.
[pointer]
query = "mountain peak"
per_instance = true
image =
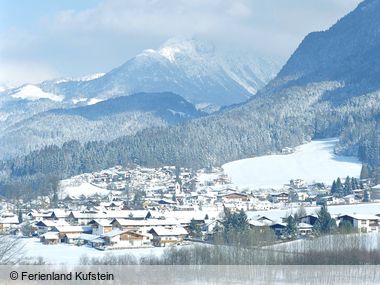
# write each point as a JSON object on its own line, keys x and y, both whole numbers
{"x": 181, "y": 46}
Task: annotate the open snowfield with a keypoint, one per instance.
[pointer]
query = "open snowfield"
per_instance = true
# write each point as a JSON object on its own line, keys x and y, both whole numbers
{"x": 312, "y": 162}
{"x": 84, "y": 188}
{"x": 70, "y": 254}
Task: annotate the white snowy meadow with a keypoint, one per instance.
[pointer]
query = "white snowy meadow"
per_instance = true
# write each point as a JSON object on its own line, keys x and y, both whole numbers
{"x": 312, "y": 162}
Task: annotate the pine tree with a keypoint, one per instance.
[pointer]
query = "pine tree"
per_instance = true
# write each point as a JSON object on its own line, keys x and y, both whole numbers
{"x": 301, "y": 212}
{"x": 364, "y": 173}
{"x": 325, "y": 224}
{"x": 291, "y": 227}
{"x": 195, "y": 229}
{"x": 333, "y": 190}
{"x": 347, "y": 186}
{"x": 339, "y": 188}
{"x": 345, "y": 227}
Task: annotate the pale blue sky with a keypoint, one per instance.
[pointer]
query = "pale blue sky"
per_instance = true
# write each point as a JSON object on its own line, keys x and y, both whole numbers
{"x": 45, "y": 39}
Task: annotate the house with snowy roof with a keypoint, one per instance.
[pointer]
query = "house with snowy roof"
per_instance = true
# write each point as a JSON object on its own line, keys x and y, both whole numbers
{"x": 7, "y": 222}
{"x": 100, "y": 226}
{"x": 125, "y": 239}
{"x": 163, "y": 236}
{"x": 362, "y": 223}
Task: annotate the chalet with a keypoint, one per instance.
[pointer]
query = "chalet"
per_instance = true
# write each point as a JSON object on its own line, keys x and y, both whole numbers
{"x": 349, "y": 199}
{"x": 7, "y": 222}
{"x": 45, "y": 226}
{"x": 84, "y": 217}
{"x": 49, "y": 238}
{"x": 265, "y": 220}
{"x": 309, "y": 219}
{"x": 59, "y": 214}
{"x": 126, "y": 224}
{"x": 301, "y": 196}
{"x": 125, "y": 239}
{"x": 71, "y": 238}
{"x": 278, "y": 228}
{"x": 279, "y": 197}
{"x": 256, "y": 224}
{"x": 114, "y": 205}
{"x": 167, "y": 236}
{"x": 100, "y": 226}
{"x": 362, "y": 223}
{"x": 38, "y": 216}
{"x": 304, "y": 229}
{"x": 234, "y": 197}
{"x": 70, "y": 232}
{"x": 328, "y": 200}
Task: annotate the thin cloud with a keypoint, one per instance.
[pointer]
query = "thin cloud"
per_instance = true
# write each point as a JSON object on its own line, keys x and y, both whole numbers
{"x": 85, "y": 40}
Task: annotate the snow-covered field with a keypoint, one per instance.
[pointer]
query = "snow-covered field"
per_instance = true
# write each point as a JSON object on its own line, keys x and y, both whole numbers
{"x": 84, "y": 188}
{"x": 312, "y": 162}
{"x": 70, "y": 254}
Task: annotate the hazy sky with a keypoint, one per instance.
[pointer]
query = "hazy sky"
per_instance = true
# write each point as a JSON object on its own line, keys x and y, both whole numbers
{"x": 45, "y": 39}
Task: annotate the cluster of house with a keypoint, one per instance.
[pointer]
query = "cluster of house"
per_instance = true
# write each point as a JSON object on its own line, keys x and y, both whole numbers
{"x": 361, "y": 223}
{"x": 116, "y": 229}
{"x": 173, "y": 187}
{"x": 121, "y": 178}
{"x": 173, "y": 199}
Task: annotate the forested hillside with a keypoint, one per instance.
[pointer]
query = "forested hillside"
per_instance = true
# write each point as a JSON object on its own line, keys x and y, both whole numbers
{"x": 328, "y": 88}
{"x": 106, "y": 120}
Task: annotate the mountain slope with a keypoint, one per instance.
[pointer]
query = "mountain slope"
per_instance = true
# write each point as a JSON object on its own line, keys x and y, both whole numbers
{"x": 319, "y": 93}
{"x": 191, "y": 68}
{"x": 106, "y": 120}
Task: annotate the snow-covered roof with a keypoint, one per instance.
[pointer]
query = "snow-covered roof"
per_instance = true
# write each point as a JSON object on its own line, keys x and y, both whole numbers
{"x": 256, "y": 223}
{"x": 162, "y": 231}
{"x": 362, "y": 217}
{"x": 148, "y": 223}
{"x": 50, "y": 235}
{"x": 9, "y": 220}
{"x": 305, "y": 225}
{"x": 70, "y": 229}
{"x": 102, "y": 222}
{"x": 50, "y": 223}
{"x": 60, "y": 213}
{"x": 72, "y": 236}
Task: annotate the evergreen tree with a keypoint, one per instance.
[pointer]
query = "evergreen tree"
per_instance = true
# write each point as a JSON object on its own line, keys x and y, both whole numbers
{"x": 20, "y": 218}
{"x": 345, "y": 227}
{"x": 354, "y": 183}
{"x": 333, "y": 190}
{"x": 339, "y": 188}
{"x": 195, "y": 229}
{"x": 347, "y": 186}
{"x": 325, "y": 224}
{"x": 301, "y": 212}
{"x": 138, "y": 200}
{"x": 364, "y": 173}
{"x": 291, "y": 227}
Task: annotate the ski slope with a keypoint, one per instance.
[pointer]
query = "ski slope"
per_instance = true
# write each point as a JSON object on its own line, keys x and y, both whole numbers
{"x": 312, "y": 162}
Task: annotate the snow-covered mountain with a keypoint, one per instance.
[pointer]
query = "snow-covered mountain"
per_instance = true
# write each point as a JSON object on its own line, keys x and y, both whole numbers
{"x": 192, "y": 68}
{"x": 104, "y": 121}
